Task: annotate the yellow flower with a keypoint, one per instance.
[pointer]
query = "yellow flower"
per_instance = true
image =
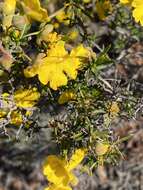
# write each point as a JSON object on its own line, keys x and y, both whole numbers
{"x": 8, "y": 11}
{"x": 57, "y": 65}
{"x": 103, "y": 8}
{"x": 66, "y": 96}
{"x": 33, "y": 9}
{"x": 26, "y": 98}
{"x": 58, "y": 171}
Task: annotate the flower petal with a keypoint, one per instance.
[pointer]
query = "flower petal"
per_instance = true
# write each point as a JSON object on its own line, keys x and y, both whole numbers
{"x": 8, "y": 11}
{"x": 34, "y": 10}
{"x": 54, "y": 169}
{"x": 76, "y": 158}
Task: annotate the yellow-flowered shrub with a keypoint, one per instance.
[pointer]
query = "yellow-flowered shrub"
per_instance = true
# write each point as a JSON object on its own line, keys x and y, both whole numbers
{"x": 47, "y": 49}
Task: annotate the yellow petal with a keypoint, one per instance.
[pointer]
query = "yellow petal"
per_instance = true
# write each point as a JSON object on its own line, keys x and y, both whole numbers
{"x": 136, "y": 3}
{"x": 138, "y": 14}
{"x": 34, "y": 10}
{"x": 26, "y": 98}
{"x": 8, "y": 11}
{"x": 57, "y": 80}
{"x": 73, "y": 179}
{"x": 76, "y": 158}
{"x": 80, "y": 51}
{"x": 53, "y": 168}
